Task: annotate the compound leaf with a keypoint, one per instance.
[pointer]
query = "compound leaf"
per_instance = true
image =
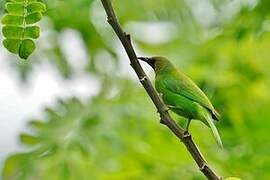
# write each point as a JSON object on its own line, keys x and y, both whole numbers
{"x": 19, "y": 29}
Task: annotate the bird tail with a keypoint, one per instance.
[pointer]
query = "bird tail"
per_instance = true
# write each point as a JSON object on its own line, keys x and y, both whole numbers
{"x": 214, "y": 129}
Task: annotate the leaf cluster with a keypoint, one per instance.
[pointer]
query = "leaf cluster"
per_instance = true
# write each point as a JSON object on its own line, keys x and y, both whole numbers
{"x": 19, "y": 29}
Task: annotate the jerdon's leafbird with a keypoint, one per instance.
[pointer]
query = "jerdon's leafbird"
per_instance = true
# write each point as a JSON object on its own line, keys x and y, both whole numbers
{"x": 181, "y": 95}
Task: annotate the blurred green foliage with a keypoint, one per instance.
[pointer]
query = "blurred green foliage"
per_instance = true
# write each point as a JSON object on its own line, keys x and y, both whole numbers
{"x": 116, "y": 135}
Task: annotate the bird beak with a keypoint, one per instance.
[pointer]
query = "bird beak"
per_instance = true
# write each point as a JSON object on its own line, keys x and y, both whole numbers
{"x": 149, "y": 61}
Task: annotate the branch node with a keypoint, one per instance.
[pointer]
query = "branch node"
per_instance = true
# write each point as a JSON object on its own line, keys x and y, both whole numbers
{"x": 143, "y": 78}
{"x": 128, "y": 36}
{"x": 202, "y": 168}
{"x": 186, "y": 134}
{"x": 109, "y": 19}
{"x": 162, "y": 121}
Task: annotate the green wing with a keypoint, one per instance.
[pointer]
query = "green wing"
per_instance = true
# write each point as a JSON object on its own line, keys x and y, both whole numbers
{"x": 183, "y": 85}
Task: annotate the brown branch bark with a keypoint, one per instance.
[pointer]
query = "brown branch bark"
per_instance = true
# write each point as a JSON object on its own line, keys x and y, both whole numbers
{"x": 183, "y": 135}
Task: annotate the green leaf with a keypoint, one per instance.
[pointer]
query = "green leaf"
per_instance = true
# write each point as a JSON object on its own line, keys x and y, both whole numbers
{"x": 53, "y": 114}
{"x": 12, "y": 45}
{"x": 32, "y": 32}
{"x": 15, "y": 8}
{"x": 28, "y": 139}
{"x": 37, "y": 124}
{"x": 12, "y": 20}
{"x": 26, "y": 48}
{"x": 13, "y": 166}
{"x": 36, "y": 7}
{"x": 12, "y": 32}
{"x": 33, "y": 18}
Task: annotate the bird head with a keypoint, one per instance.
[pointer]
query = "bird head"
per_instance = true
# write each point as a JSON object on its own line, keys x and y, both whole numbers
{"x": 156, "y": 62}
{"x": 149, "y": 60}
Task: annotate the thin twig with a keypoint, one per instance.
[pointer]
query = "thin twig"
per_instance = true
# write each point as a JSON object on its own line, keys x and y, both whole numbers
{"x": 183, "y": 135}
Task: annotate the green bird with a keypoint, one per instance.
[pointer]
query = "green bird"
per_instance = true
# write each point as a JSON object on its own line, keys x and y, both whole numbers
{"x": 182, "y": 95}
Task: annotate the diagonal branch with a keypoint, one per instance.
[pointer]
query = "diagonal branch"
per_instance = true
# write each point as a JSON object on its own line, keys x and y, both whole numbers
{"x": 183, "y": 135}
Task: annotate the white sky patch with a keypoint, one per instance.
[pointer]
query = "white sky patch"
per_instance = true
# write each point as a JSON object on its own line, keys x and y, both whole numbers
{"x": 74, "y": 48}
{"x": 203, "y": 11}
{"x": 152, "y": 32}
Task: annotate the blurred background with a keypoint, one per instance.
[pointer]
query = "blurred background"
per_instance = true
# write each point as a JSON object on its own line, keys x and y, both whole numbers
{"x": 75, "y": 109}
